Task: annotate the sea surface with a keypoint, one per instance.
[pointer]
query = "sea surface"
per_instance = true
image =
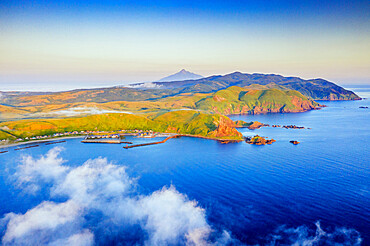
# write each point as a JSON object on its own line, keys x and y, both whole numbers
{"x": 279, "y": 194}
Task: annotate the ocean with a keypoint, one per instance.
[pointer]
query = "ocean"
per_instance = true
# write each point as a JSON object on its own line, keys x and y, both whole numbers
{"x": 192, "y": 190}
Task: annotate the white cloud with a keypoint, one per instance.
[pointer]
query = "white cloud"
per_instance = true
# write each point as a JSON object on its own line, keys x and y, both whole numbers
{"x": 302, "y": 235}
{"x": 79, "y": 111}
{"x": 166, "y": 216}
{"x": 144, "y": 85}
{"x": 169, "y": 216}
{"x": 33, "y": 171}
{"x": 37, "y": 224}
{"x": 99, "y": 197}
{"x": 94, "y": 182}
{"x": 85, "y": 238}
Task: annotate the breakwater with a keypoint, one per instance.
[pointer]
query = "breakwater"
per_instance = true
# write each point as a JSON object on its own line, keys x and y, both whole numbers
{"x": 152, "y": 143}
{"x": 181, "y": 135}
{"x": 27, "y": 147}
{"x": 108, "y": 141}
{"x": 55, "y": 142}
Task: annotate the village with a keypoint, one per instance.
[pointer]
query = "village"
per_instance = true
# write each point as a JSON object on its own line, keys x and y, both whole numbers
{"x": 95, "y": 135}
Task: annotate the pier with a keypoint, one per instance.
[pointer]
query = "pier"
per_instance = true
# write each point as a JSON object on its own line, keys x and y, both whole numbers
{"x": 27, "y": 147}
{"x": 152, "y": 143}
{"x": 108, "y": 141}
{"x": 55, "y": 142}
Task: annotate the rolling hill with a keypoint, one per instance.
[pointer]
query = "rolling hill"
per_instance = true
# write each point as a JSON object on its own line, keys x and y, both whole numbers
{"x": 317, "y": 89}
{"x": 238, "y": 100}
{"x": 183, "y": 121}
{"x": 189, "y": 107}
{"x": 252, "y": 99}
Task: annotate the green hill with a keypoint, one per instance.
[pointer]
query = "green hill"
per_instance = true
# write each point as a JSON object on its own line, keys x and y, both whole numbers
{"x": 237, "y": 100}
{"x": 317, "y": 89}
{"x": 183, "y": 121}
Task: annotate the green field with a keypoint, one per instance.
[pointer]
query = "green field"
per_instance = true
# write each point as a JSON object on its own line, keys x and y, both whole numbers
{"x": 184, "y": 122}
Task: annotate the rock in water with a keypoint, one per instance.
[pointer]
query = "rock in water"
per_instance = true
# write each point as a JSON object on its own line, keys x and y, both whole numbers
{"x": 257, "y": 140}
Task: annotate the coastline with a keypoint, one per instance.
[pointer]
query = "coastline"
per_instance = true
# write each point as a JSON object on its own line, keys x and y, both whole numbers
{"x": 129, "y": 134}
{"x": 37, "y": 141}
{"x": 263, "y": 113}
{"x": 210, "y": 138}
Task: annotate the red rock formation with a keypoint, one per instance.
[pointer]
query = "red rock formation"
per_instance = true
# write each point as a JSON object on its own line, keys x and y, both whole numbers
{"x": 256, "y": 125}
{"x": 225, "y": 128}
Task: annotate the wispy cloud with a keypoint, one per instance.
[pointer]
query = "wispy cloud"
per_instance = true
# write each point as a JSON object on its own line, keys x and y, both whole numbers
{"x": 303, "y": 235}
{"x": 79, "y": 111}
{"x": 43, "y": 223}
{"x": 99, "y": 187}
{"x": 97, "y": 203}
{"x": 32, "y": 171}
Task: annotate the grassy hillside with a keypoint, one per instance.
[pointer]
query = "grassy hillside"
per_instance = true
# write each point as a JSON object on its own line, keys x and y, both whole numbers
{"x": 237, "y": 100}
{"x": 185, "y": 122}
{"x": 317, "y": 89}
{"x": 86, "y": 95}
{"x": 233, "y": 100}
{"x": 5, "y": 135}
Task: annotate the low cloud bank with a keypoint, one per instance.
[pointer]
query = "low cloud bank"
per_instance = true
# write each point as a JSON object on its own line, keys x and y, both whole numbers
{"x": 80, "y": 111}
{"x": 96, "y": 194}
{"x": 96, "y": 203}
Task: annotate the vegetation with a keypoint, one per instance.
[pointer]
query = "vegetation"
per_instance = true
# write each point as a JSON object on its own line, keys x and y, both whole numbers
{"x": 237, "y": 100}
{"x": 184, "y": 122}
{"x": 233, "y": 100}
{"x": 316, "y": 89}
{"x": 189, "y": 107}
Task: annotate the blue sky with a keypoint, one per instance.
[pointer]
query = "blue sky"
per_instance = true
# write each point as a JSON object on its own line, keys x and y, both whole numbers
{"x": 69, "y": 44}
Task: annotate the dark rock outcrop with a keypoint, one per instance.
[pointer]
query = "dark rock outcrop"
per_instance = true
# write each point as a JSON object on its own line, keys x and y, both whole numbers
{"x": 258, "y": 140}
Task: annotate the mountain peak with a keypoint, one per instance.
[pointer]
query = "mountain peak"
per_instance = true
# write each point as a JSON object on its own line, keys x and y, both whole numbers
{"x": 180, "y": 76}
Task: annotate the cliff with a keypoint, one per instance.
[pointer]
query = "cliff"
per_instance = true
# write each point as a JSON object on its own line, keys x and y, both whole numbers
{"x": 237, "y": 100}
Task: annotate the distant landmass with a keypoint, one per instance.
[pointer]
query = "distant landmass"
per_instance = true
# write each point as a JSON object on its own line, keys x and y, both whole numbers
{"x": 317, "y": 89}
{"x": 180, "y": 76}
{"x": 205, "y": 98}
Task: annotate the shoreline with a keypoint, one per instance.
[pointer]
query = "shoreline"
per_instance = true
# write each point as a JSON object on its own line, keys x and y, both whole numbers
{"x": 264, "y": 113}
{"x": 37, "y": 141}
{"x": 129, "y": 134}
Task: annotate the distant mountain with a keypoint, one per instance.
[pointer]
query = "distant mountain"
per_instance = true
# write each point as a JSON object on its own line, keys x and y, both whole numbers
{"x": 317, "y": 89}
{"x": 180, "y": 76}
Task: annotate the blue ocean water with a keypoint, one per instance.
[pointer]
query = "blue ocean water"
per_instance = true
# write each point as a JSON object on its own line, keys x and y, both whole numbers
{"x": 257, "y": 194}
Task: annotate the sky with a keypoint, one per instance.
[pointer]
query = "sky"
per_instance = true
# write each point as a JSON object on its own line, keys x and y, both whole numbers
{"x": 60, "y": 45}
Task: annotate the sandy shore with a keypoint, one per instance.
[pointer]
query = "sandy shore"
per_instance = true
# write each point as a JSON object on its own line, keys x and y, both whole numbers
{"x": 39, "y": 141}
